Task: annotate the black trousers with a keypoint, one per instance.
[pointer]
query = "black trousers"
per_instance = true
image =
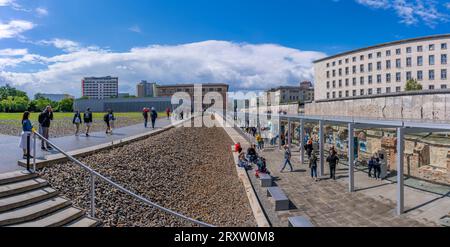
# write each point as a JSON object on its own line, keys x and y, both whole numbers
{"x": 370, "y": 171}
{"x": 377, "y": 171}
{"x": 333, "y": 172}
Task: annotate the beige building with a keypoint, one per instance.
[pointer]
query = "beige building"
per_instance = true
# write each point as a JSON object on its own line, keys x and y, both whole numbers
{"x": 146, "y": 89}
{"x": 292, "y": 94}
{"x": 384, "y": 68}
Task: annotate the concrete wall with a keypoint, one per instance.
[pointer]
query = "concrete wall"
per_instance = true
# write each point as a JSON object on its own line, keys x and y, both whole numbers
{"x": 124, "y": 105}
{"x": 424, "y": 105}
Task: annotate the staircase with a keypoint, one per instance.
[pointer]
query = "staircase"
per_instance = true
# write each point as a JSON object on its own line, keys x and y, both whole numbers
{"x": 28, "y": 201}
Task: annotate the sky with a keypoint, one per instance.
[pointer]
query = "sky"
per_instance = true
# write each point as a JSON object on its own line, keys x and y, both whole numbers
{"x": 50, "y": 45}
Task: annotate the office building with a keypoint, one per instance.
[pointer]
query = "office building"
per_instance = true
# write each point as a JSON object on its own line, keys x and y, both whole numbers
{"x": 100, "y": 87}
{"x": 146, "y": 89}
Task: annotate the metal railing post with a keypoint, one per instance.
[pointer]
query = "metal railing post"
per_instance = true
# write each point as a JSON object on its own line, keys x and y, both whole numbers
{"x": 92, "y": 194}
{"x": 34, "y": 153}
{"x": 28, "y": 151}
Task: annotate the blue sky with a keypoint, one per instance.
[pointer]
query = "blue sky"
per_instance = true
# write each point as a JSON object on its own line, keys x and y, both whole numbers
{"x": 49, "y": 45}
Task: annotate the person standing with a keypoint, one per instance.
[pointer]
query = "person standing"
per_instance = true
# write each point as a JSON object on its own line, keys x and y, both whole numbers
{"x": 309, "y": 148}
{"x": 107, "y": 119}
{"x": 313, "y": 166}
{"x": 77, "y": 122}
{"x": 145, "y": 115}
{"x": 112, "y": 120}
{"x": 27, "y": 130}
{"x": 45, "y": 119}
{"x": 87, "y": 120}
{"x": 154, "y": 116}
{"x": 333, "y": 160}
{"x": 259, "y": 141}
{"x": 377, "y": 169}
{"x": 371, "y": 164}
{"x": 168, "y": 112}
{"x": 287, "y": 158}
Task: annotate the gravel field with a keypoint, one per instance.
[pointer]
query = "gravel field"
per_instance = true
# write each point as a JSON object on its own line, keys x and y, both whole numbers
{"x": 64, "y": 127}
{"x": 189, "y": 170}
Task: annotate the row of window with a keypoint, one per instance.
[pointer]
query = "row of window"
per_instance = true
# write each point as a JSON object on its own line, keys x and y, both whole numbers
{"x": 388, "y": 65}
{"x": 371, "y": 91}
{"x": 388, "y": 79}
{"x": 398, "y": 51}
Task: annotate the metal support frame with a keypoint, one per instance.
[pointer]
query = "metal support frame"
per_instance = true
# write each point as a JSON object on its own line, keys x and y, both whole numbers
{"x": 400, "y": 174}
{"x": 302, "y": 148}
{"x": 351, "y": 158}
{"x": 321, "y": 149}
{"x": 92, "y": 194}
{"x": 289, "y": 139}
{"x": 279, "y": 133}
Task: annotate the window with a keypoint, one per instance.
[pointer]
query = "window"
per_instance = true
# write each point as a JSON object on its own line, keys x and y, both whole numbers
{"x": 419, "y": 75}
{"x": 346, "y": 60}
{"x": 354, "y": 69}
{"x": 431, "y": 60}
{"x": 328, "y": 74}
{"x": 370, "y": 55}
{"x": 340, "y": 94}
{"x": 378, "y": 78}
{"x": 347, "y": 93}
{"x": 346, "y": 82}
{"x": 370, "y": 91}
{"x": 408, "y": 62}
{"x": 408, "y": 49}
{"x": 361, "y": 68}
{"x": 398, "y": 51}
{"x": 378, "y": 54}
{"x": 398, "y": 63}
{"x": 328, "y": 84}
{"x": 334, "y": 73}
{"x": 369, "y": 67}
{"x": 334, "y": 63}
{"x": 431, "y": 74}
{"x": 334, "y": 84}
{"x": 361, "y": 80}
{"x": 419, "y": 48}
{"x": 431, "y": 47}
{"x": 354, "y": 82}
{"x": 378, "y": 65}
{"x": 419, "y": 61}
{"x": 398, "y": 77}
{"x": 443, "y": 86}
{"x": 388, "y": 64}
{"x": 347, "y": 70}
{"x": 340, "y": 62}
{"x": 408, "y": 75}
{"x": 444, "y": 59}
{"x": 378, "y": 90}
{"x": 444, "y": 46}
{"x": 354, "y": 59}
{"x": 328, "y": 95}
{"x": 388, "y": 77}
{"x": 354, "y": 92}
{"x": 340, "y": 72}
{"x": 388, "y": 90}
{"x": 361, "y": 92}
{"x": 334, "y": 95}
{"x": 443, "y": 74}
{"x": 388, "y": 53}
{"x": 370, "y": 79}
{"x": 431, "y": 87}
{"x": 361, "y": 57}
{"x": 340, "y": 83}
{"x": 398, "y": 89}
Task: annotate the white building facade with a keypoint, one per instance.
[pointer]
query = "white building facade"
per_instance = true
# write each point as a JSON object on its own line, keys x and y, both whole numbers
{"x": 100, "y": 87}
{"x": 384, "y": 68}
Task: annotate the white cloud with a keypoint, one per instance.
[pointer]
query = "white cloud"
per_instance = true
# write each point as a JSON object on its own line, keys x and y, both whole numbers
{"x": 41, "y": 11}
{"x": 63, "y": 44}
{"x": 6, "y": 2}
{"x": 13, "y": 4}
{"x": 411, "y": 12}
{"x": 243, "y": 66}
{"x": 14, "y": 28}
{"x": 135, "y": 29}
{"x": 13, "y": 52}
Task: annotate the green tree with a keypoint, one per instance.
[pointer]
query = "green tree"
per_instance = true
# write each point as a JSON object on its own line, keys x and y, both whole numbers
{"x": 41, "y": 103}
{"x": 413, "y": 85}
{"x": 7, "y": 91}
{"x": 66, "y": 105}
{"x": 14, "y": 104}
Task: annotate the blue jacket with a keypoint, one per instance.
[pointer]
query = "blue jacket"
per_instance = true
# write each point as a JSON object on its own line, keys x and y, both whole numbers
{"x": 27, "y": 126}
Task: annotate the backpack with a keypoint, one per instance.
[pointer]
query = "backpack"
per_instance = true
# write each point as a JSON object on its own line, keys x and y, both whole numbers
{"x": 106, "y": 117}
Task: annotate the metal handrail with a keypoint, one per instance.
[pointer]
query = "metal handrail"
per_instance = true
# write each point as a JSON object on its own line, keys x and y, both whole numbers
{"x": 94, "y": 174}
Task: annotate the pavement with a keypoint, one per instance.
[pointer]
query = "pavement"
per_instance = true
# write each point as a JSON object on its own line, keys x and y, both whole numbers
{"x": 10, "y": 152}
{"x": 327, "y": 203}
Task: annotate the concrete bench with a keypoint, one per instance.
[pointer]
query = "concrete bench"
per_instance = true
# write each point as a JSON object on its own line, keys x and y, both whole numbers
{"x": 281, "y": 200}
{"x": 266, "y": 180}
{"x": 299, "y": 221}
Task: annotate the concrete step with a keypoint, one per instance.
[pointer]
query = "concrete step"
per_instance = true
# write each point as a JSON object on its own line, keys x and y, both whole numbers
{"x": 84, "y": 222}
{"x": 20, "y": 200}
{"x": 59, "y": 218}
{"x": 33, "y": 211}
{"x": 16, "y": 176}
{"x": 22, "y": 186}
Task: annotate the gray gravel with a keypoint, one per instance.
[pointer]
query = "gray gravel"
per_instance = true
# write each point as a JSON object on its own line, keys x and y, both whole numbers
{"x": 189, "y": 170}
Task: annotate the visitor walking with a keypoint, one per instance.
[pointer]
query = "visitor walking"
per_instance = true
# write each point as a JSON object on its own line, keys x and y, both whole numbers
{"x": 287, "y": 158}
{"x": 27, "y": 130}
{"x": 154, "y": 116}
{"x": 377, "y": 169}
{"x": 309, "y": 148}
{"x": 145, "y": 115}
{"x": 168, "y": 112}
{"x": 112, "y": 120}
{"x": 77, "y": 122}
{"x": 107, "y": 118}
{"x": 313, "y": 166}
{"x": 333, "y": 160}
{"x": 87, "y": 117}
{"x": 371, "y": 165}
{"x": 259, "y": 141}
{"x": 45, "y": 119}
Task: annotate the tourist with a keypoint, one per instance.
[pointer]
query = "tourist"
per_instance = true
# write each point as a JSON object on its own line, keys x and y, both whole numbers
{"x": 261, "y": 167}
{"x": 313, "y": 166}
{"x": 283, "y": 139}
{"x": 154, "y": 116}
{"x": 107, "y": 118}
{"x": 252, "y": 155}
{"x": 333, "y": 160}
{"x": 87, "y": 117}
{"x": 243, "y": 162}
{"x": 377, "y": 168}
{"x": 112, "y": 120}
{"x": 287, "y": 158}
{"x": 259, "y": 141}
{"x": 77, "y": 121}
{"x": 45, "y": 119}
{"x": 237, "y": 147}
{"x": 309, "y": 148}
{"x": 168, "y": 112}
{"x": 371, "y": 165}
{"x": 27, "y": 130}
{"x": 145, "y": 115}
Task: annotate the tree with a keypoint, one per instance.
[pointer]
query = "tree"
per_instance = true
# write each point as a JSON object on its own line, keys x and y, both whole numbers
{"x": 413, "y": 85}
{"x": 41, "y": 103}
{"x": 66, "y": 105}
{"x": 7, "y": 91}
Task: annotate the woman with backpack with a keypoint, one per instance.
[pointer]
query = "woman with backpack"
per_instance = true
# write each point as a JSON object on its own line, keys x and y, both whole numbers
{"x": 27, "y": 130}
{"x": 77, "y": 121}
